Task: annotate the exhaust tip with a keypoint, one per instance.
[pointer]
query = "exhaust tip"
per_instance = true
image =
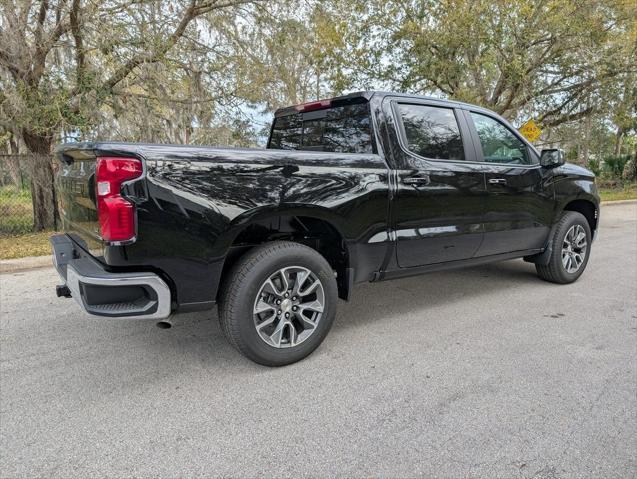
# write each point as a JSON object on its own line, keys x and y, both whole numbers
{"x": 164, "y": 325}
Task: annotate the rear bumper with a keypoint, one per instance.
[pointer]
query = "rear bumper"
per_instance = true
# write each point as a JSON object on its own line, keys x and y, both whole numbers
{"x": 102, "y": 293}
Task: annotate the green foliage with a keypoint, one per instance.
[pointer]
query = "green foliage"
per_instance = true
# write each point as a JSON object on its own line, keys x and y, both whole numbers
{"x": 594, "y": 165}
{"x": 515, "y": 57}
{"x": 630, "y": 170}
{"x": 568, "y": 64}
{"x": 614, "y": 165}
{"x": 157, "y": 73}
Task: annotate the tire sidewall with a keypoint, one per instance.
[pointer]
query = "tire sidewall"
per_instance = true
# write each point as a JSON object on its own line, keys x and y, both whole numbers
{"x": 572, "y": 220}
{"x": 254, "y": 347}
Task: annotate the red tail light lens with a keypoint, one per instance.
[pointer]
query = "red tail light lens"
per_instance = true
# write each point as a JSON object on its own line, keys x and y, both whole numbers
{"x": 314, "y": 105}
{"x": 115, "y": 213}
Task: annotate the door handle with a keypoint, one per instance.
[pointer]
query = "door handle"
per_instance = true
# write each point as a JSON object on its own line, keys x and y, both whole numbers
{"x": 417, "y": 180}
{"x": 497, "y": 181}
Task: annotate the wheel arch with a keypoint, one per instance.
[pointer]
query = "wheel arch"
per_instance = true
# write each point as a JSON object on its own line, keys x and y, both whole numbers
{"x": 587, "y": 207}
{"x": 316, "y": 227}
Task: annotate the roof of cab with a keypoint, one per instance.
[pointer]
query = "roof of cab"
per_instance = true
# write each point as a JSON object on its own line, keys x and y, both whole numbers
{"x": 366, "y": 96}
{"x": 343, "y": 99}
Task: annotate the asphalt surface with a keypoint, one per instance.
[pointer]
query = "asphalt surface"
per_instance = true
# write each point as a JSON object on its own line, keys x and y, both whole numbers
{"x": 484, "y": 372}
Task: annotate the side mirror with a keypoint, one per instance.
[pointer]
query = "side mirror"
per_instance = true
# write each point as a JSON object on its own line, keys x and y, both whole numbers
{"x": 552, "y": 158}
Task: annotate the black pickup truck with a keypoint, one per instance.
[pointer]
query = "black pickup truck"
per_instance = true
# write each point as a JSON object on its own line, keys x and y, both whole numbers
{"x": 369, "y": 186}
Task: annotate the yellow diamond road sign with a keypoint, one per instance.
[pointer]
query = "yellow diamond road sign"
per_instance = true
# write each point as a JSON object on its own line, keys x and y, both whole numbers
{"x": 530, "y": 130}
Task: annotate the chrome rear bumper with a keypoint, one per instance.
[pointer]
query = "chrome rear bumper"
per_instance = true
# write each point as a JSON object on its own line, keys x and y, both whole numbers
{"x": 102, "y": 293}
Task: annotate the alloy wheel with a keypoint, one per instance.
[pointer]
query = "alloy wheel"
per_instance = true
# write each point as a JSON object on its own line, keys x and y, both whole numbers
{"x": 288, "y": 307}
{"x": 574, "y": 248}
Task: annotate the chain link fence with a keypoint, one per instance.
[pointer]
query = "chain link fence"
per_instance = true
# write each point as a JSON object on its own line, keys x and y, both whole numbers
{"x": 17, "y": 186}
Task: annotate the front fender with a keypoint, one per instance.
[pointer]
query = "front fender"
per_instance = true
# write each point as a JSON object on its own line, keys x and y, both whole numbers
{"x": 572, "y": 183}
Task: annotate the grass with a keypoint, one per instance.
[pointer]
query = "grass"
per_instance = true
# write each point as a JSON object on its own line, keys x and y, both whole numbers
{"x": 17, "y": 239}
{"x": 33, "y": 244}
{"x": 628, "y": 192}
{"x": 16, "y": 212}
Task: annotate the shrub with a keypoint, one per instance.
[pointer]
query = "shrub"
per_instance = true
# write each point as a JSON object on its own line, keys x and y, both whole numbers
{"x": 614, "y": 165}
{"x": 630, "y": 170}
{"x": 594, "y": 166}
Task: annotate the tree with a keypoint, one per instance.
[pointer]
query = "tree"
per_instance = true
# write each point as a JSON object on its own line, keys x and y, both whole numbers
{"x": 191, "y": 70}
{"x": 624, "y": 111}
{"x": 289, "y": 55}
{"x": 546, "y": 58}
{"x": 60, "y": 65}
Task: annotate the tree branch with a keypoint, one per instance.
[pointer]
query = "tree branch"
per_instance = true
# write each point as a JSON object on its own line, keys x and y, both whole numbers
{"x": 193, "y": 11}
{"x": 9, "y": 62}
{"x": 44, "y": 7}
{"x": 80, "y": 57}
{"x": 569, "y": 117}
{"x": 43, "y": 47}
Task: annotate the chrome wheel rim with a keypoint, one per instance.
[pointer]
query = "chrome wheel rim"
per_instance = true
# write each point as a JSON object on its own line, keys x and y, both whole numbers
{"x": 288, "y": 307}
{"x": 574, "y": 249}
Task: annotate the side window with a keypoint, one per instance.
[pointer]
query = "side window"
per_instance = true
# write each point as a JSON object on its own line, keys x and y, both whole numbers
{"x": 499, "y": 144}
{"x": 432, "y": 132}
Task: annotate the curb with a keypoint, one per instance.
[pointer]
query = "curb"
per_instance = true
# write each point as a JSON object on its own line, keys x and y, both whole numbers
{"x": 35, "y": 262}
{"x": 25, "y": 264}
{"x": 619, "y": 202}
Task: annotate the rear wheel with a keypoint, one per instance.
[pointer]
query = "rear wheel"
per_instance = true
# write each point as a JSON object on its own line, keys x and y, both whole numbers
{"x": 278, "y": 303}
{"x": 571, "y": 245}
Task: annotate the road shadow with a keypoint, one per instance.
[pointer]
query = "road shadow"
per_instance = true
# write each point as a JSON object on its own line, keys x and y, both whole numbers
{"x": 371, "y": 302}
{"x": 375, "y": 301}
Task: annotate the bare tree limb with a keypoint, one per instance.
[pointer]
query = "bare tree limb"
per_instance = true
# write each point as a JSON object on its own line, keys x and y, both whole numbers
{"x": 193, "y": 11}
{"x": 569, "y": 117}
{"x": 76, "y": 31}
{"x": 9, "y": 62}
{"x": 43, "y": 46}
{"x": 44, "y": 8}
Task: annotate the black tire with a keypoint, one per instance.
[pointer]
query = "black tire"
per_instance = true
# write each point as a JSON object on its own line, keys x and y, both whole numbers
{"x": 555, "y": 271}
{"x": 243, "y": 284}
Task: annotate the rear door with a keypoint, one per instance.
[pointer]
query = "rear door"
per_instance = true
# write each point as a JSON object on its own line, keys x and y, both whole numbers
{"x": 518, "y": 205}
{"x": 437, "y": 211}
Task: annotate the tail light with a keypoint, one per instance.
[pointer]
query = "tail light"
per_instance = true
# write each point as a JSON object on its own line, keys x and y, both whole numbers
{"x": 115, "y": 213}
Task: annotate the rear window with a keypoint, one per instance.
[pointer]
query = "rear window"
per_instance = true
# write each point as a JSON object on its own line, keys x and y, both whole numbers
{"x": 341, "y": 129}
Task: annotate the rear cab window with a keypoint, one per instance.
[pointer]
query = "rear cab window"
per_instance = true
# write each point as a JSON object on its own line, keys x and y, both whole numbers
{"x": 338, "y": 128}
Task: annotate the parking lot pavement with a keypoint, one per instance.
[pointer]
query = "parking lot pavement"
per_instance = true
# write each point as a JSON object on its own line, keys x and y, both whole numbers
{"x": 484, "y": 372}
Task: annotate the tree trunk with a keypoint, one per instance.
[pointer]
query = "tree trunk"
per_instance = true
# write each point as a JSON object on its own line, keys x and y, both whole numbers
{"x": 587, "y": 137}
{"x": 42, "y": 185}
{"x": 619, "y": 136}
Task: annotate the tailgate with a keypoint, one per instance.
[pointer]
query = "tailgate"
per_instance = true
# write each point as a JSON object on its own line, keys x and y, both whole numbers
{"x": 75, "y": 185}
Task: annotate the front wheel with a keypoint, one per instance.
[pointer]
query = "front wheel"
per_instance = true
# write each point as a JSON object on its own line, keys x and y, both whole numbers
{"x": 278, "y": 303}
{"x": 571, "y": 247}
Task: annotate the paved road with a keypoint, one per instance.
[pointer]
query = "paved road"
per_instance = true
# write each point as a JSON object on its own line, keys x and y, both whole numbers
{"x": 487, "y": 372}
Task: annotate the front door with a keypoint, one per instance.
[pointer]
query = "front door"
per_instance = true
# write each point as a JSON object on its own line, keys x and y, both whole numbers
{"x": 518, "y": 206}
{"x": 437, "y": 210}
